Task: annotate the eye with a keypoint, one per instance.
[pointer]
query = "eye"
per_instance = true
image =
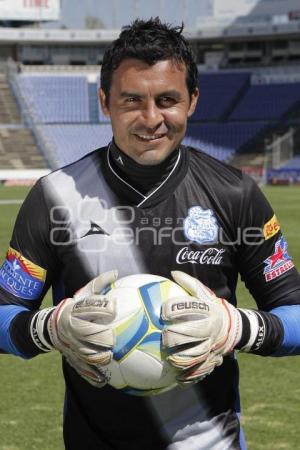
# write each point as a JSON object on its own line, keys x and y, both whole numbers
{"x": 166, "y": 101}
{"x": 131, "y": 99}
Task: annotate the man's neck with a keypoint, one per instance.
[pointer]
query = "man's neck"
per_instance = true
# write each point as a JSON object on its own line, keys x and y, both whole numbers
{"x": 142, "y": 177}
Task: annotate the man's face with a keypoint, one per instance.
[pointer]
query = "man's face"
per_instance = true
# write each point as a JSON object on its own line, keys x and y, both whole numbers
{"x": 148, "y": 107}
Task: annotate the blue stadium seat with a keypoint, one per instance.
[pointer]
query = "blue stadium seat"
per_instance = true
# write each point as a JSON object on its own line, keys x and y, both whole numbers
{"x": 222, "y": 140}
{"x": 293, "y": 163}
{"x": 267, "y": 101}
{"x": 67, "y": 143}
{"x": 71, "y": 122}
{"x": 217, "y": 92}
{"x": 56, "y": 98}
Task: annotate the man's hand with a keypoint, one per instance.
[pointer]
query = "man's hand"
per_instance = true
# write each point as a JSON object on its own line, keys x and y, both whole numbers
{"x": 201, "y": 329}
{"x": 91, "y": 373}
{"x": 79, "y": 328}
{"x": 82, "y": 323}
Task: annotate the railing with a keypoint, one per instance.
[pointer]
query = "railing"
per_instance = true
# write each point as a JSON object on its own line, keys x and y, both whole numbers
{"x": 280, "y": 150}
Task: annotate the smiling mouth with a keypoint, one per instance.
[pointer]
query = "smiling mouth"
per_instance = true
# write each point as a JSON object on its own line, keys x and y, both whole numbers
{"x": 146, "y": 138}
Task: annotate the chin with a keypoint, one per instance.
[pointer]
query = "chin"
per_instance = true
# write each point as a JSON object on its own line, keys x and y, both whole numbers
{"x": 152, "y": 158}
{"x": 149, "y": 162}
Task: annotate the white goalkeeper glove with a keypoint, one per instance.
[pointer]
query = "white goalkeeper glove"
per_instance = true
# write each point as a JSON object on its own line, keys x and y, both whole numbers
{"x": 91, "y": 373}
{"x": 79, "y": 328}
{"x": 201, "y": 329}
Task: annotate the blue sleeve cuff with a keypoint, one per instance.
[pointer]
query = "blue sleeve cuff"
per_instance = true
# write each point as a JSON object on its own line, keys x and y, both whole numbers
{"x": 7, "y": 314}
{"x": 289, "y": 316}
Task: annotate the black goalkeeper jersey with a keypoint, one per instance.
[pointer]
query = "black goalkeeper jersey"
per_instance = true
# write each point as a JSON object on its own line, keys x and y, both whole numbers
{"x": 206, "y": 219}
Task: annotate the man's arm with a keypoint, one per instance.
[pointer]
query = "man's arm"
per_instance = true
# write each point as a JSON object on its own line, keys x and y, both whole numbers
{"x": 198, "y": 340}
{"x": 26, "y": 274}
{"x": 271, "y": 277}
{"x": 289, "y": 317}
{"x": 78, "y": 327}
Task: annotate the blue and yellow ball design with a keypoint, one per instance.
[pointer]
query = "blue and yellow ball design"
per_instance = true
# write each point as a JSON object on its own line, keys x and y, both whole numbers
{"x": 139, "y": 366}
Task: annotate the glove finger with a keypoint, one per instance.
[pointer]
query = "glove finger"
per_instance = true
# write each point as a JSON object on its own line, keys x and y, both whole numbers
{"x": 185, "y": 308}
{"x": 200, "y": 371}
{"x": 94, "y": 357}
{"x": 91, "y": 374}
{"x": 192, "y": 285}
{"x": 186, "y": 333}
{"x": 103, "y": 280}
{"x": 193, "y": 350}
{"x": 185, "y": 362}
{"x": 90, "y": 333}
{"x": 95, "y": 308}
{"x": 188, "y": 357}
{"x": 96, "y": 285}
{"x": 187, "y": 282}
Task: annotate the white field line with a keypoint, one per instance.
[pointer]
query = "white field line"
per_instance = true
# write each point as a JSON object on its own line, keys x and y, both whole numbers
{"x": 12, "y": 202}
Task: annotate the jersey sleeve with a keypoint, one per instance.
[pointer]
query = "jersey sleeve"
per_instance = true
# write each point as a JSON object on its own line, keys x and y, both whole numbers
{"x": 262, "y": 257}
{"x": 27, "y": 271}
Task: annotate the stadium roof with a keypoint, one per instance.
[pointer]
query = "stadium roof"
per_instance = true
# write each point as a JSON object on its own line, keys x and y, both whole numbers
{"x": 27, "y": 35}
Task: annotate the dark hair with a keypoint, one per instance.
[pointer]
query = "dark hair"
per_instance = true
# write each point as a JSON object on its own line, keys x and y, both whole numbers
{"x": 150, "y": 41}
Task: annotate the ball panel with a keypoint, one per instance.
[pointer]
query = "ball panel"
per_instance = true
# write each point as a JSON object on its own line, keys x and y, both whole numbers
{"x": 137, "y": 280}
{"x": 139, "y": 366}
{"x": 152, "y": 298}
{"x": 151, "y": 345}
{"x": 129, "y": 333}
{"x": 114, "y": 375}
{"x": 142, "y": 371}
{"x": 127, "y": 302}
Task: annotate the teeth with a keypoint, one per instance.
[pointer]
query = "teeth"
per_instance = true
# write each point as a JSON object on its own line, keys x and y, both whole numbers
{"x": 150, "y": 138}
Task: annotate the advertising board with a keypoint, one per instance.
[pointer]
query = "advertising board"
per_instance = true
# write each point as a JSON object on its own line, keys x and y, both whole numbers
{"x": 31, "y": 10}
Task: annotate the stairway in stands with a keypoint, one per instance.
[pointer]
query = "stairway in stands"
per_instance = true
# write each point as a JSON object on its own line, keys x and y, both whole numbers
{"x": 18, "y": 149}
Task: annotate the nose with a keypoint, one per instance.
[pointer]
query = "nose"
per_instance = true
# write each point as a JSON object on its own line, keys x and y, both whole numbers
{"x": 152, "y": 115}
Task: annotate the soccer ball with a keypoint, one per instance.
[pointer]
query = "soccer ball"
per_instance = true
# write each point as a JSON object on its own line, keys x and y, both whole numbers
{"x": 139, "y": 366}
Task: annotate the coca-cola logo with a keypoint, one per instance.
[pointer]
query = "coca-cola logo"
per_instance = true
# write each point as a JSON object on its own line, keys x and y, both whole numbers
{"x": 210, "y": 256}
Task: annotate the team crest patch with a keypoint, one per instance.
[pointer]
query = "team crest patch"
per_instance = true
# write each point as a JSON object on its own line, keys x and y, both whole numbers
{"x": 278, "y": 263}
{"x": 21, "y": 277}
{"x": 201, "y": 226}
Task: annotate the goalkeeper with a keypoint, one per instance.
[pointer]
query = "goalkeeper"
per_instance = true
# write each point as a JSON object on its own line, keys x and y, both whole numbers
{"x": 145, "y": 203}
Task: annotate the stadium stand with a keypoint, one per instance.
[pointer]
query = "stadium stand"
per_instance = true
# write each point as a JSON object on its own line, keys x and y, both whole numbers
{"x": 227, "y": 137}
{"x": 231, "y": 115}
{"x": 293, "y": 163}
{"x": 9, "y": 112}
{"x": 267, "y": 102}
{"x": 96, "y": 113}
{"x": 18, "y": 149}
{"x": 218, "y": 91}
{"x": 75, "y": 140}
{"x": 56, "y": 99}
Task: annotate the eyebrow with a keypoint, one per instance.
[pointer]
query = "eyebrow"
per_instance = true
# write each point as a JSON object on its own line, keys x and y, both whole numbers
{"x": 171, "y": 93}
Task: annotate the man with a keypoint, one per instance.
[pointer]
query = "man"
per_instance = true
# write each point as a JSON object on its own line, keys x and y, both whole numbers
{"x": 148, "y": 204}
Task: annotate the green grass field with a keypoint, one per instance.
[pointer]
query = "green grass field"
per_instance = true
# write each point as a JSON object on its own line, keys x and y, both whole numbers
{"x": 31, "y": 392}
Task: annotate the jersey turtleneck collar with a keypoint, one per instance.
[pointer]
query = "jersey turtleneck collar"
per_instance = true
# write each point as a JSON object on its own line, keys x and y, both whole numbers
{"x": 143, "y": 177}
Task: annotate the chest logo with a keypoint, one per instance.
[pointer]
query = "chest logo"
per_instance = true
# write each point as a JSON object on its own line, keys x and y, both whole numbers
{"x": 201, "y": 226}
{"x": 210, "y": 256}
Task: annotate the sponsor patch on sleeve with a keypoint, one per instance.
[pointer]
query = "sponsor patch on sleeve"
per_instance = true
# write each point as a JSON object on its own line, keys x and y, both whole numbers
{"x": 21, "y": 277}
{"x": 278, "y": 263}
{"x": 271, "y": 228}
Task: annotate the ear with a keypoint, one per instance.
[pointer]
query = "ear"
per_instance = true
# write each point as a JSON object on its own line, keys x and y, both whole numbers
{"x": 194, "y": 100}
{"x": 103, "y": 102}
